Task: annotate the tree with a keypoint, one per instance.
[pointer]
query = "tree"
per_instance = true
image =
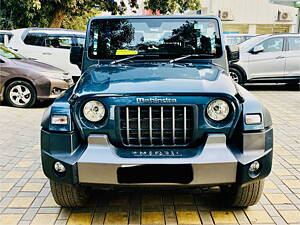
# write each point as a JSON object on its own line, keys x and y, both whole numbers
{"x": 78, "y": 22}
{"x": 53, "y": 13}
{"x": 172, "y": 6}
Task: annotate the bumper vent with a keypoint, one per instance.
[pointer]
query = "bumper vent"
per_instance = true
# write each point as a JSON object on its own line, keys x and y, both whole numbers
{"x": 165, "y": 126}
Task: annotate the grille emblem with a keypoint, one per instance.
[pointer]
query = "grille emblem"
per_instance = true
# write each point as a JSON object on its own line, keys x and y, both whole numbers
{"x": 156, "y": 100}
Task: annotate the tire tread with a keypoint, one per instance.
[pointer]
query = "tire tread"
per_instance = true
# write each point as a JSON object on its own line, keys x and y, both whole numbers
{"x": 247, "y": 195}
{"x": 68, "y": 195}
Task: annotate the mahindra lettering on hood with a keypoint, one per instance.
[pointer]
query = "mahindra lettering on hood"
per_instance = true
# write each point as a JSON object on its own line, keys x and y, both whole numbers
{"x": 155, "y": 106}
{"x": 156, "y": 100}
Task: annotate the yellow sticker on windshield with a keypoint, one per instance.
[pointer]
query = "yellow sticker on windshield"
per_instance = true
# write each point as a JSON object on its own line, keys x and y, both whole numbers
{"x": 126, "y": 52}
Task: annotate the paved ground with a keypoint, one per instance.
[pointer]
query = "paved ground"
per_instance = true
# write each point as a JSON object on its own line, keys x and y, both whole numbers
{"x": 25, "y": 196}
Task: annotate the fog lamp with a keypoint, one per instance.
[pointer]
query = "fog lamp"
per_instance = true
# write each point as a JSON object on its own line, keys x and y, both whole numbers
{"x": 59, "y": 167}
{"x": 57, "y": 91}
{"x": 255, "y": 166}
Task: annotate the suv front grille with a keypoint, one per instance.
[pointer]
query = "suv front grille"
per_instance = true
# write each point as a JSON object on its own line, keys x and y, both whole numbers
{"x": 165, "y": 126}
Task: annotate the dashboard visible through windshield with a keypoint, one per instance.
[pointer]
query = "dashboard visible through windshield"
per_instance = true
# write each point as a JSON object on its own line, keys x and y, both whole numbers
{"x": 159, "y": 38}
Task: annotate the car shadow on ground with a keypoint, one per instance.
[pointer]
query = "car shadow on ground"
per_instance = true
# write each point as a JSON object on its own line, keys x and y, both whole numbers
{"x": 42, "y": 104}
{"x": 155, "y": 198}
{"x": 272, "y": 87}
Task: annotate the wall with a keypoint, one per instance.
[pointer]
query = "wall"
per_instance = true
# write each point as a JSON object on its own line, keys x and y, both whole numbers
{"x": 256, "y": 16}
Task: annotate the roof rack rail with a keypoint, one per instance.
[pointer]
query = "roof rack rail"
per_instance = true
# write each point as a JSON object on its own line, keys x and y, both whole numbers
{"x": 54, "y": 29}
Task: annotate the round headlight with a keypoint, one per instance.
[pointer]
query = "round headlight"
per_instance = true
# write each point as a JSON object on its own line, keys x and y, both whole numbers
{"x": 217, "y": 110}
{"x": 94, "y": 111}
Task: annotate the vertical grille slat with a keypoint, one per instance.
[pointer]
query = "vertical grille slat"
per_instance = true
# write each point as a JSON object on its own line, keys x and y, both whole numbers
{"x": 150, "y": 125}
{"x": 139, "y": 126}
{"x": 184, "y": 124}
{"x": 173, "y": 124}
{"x": 162, "y": 124}
{"x": 157, "y": 126}
{"x": 127, "y": 125}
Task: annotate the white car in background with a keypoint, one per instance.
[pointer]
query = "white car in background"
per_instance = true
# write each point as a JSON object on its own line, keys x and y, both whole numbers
{"x": 48, "y": 45}
{"x": 5, "y": 36}
{"x": 273, "y": 58}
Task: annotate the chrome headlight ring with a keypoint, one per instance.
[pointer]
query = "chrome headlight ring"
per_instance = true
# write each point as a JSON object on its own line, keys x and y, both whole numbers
{"x": 218, "y": 110}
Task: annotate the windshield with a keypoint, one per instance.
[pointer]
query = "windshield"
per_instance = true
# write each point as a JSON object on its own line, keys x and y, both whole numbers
{"x": 251, "y": 42}
{"x": 159, "y": 38}
{"x": 5, "y": 52}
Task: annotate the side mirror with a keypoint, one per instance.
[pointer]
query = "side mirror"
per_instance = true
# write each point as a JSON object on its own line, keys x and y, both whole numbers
{"x": 233, "y": 53}
{"x": 76, "y": 53}
{"x": 257, "y": 49}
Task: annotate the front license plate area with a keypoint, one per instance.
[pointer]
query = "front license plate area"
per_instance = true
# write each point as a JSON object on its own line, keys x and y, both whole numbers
{"x": 180, "y": 174}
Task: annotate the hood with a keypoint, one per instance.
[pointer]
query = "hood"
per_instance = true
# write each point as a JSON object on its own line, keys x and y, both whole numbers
{"x": 34, "y": 65}
{"x": 152, "y": 79}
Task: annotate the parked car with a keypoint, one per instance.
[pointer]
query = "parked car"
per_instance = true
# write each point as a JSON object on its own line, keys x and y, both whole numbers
{"x": 51, "y": 46}
{"x": 23, "y": 81}
{"x": 5, "y": 36}
{"x": 155, "y": 116}
{"x": 235, "y": 39}
{"x": 268, "y": 58}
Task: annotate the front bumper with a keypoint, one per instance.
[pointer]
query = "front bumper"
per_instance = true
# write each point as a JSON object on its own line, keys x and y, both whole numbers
{"x": 215, "y": 164}
{"x": 57, "y": 87}
{"x": 99, "y": 162}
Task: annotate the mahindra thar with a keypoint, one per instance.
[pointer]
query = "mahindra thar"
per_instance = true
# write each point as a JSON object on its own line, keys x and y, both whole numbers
{"x": 155, "y": 106}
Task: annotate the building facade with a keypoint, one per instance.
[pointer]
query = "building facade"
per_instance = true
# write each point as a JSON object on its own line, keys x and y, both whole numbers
{"x": 242, "y": 16}
{"x": 252, "y": 16}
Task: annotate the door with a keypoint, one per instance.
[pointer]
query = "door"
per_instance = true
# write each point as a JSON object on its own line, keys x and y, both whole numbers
{"x": 33, "y": 47}
{"x": 292, "y": 68}
{"x": 268, "y": 63}
{"x": 53, "y": 50}
{"x": 58, "y": 52}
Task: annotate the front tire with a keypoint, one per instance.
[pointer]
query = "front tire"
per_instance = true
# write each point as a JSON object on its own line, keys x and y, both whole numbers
{"x": 236, "y": 75}
{"x": 68, "y": 195}
{"x": 20, "y": 94}
{"x": 244, "y": 196}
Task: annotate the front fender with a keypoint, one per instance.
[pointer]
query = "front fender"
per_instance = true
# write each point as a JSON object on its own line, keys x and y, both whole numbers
{"x": 60, "y": 106}
{"x": 251, "y": 105}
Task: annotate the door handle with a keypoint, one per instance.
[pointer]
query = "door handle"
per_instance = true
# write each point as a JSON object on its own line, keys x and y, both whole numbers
{"x": 47, "y": 53}
{"x": 279, "y": 57}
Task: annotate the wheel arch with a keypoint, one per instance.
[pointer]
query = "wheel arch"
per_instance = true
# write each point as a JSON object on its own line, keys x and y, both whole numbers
{"x": 9, "y": 81}
{"x": 241, "y": 69}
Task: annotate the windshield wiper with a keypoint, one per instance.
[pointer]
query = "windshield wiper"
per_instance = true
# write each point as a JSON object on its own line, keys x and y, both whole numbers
{"x": 188, "y": 56}
{"x": 125, "y": 59}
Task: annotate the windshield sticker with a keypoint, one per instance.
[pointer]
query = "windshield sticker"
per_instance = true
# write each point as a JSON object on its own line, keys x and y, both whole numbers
{"x": 126, "y": 52}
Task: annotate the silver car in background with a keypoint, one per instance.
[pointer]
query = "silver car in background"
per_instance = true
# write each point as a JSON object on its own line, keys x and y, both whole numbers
{"x": 235, "y": 39}
{"x": 273, "y": 58}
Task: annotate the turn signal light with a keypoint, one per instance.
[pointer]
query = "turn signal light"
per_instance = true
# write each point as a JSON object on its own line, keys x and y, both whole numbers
{"x": 59, "y": 119}
{"x": 253, "y": 119}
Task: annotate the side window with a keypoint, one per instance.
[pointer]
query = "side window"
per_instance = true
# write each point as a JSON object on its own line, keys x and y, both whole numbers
{"x": 80, "y": 41}
{"x": 35, "y": 39}
{"x": 294, "y": 43}
{"x": 272, "y": 45}
{"x": 59, "y": 42}
{"x": 1, "y": 38}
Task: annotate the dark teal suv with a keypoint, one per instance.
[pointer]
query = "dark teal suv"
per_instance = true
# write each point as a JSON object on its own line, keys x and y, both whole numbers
{"x": 155, "y": 106}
